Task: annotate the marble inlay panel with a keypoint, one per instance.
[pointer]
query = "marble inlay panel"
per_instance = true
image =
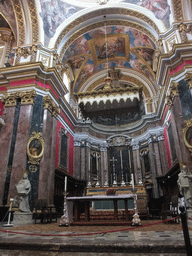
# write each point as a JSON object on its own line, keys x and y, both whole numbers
{"x": 20, "y": 156}
{"x": 5, "y": 143}
{"x": 45, "y": 164}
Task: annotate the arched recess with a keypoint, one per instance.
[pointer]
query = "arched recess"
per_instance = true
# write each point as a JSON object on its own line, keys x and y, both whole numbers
{"x": 88, "y": 17}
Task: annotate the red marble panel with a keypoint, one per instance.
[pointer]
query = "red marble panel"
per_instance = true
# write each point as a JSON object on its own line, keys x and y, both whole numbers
{"x": 5, "y": 143}
{"x": 46, "y": 161}
{"x": 20, "y": 154}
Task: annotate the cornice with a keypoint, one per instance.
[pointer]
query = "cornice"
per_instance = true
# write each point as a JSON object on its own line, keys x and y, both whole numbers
{"x": 33, "y": 71}
{"x": 172, "y": 60}
{"x": 124, "y": 129}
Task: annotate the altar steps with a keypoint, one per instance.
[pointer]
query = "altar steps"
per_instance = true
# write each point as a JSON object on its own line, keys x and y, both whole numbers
{"x": 101, "y": 223}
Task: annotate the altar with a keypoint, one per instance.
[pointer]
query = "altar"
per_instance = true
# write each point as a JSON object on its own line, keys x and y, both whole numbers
{"x": 75, "y": 204}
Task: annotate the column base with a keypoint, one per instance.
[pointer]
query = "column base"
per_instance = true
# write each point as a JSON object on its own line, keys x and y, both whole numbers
{"x": 23, "y": 218}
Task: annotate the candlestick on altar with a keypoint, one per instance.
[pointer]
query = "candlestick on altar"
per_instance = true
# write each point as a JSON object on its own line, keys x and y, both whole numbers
{"x": 132, "y": 180}
{"x": 64, "y": 218}
{"x": 121, "y": 159}
{"x": 114, "y": 174}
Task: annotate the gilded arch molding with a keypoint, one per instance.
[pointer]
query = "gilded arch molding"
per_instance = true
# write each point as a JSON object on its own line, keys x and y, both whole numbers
{"x": 20, "y": 21}
{"x": 34, "y": 20}
{"x": 120, "y": 11}
{"x": 178, "y": 11}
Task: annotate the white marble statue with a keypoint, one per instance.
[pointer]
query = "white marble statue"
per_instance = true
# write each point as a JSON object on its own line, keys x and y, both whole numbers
{"x": 23, "y": 189}
{"x": 185, "y": 186}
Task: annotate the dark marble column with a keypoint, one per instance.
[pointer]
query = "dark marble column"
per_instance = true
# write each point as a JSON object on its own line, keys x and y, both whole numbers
{"x": 20, "y": 153}
{"x": 176, "y": 114}
{"x": 46, "y": 163}
{"x": 77, "y": 159}
{"x": 82, "y": 176}
{"x": 153, "y": 169}
{"x": 5, "y": 144}
{"x": 157, "y": 157}
{"x": 163, "y": 156}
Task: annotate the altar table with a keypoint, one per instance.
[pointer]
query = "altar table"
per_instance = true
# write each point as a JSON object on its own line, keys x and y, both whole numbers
{"x": 74, "y": 205}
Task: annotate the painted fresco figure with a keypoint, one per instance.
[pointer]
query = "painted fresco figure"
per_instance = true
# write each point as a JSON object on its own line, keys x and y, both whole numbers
{"x": 185, "y": 186}
{"x": 160, "y": 8}
{"x": 23, "y": 189}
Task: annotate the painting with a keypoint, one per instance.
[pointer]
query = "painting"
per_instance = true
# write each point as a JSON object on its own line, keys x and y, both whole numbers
{"x": 115, "y": 46}
{"x": 35, "y": 148}
{"x": 160, "y": 8}
{"x": 53, "y": 13}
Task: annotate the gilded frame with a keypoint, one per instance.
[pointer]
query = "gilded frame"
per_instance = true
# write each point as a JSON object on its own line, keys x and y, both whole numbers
{"x": 35, "y": 148}
{"x": 187, "y": 134}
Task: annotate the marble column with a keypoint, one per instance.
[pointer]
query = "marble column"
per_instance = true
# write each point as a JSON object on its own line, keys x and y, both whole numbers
{"x": 157, "y": 158}
{"x": 77, "y": 161}
{"x": 163, "y": 157}
{"x": 5, "y": 144}
{"x": 83, "y": 158}
{"x": 51, "y": 183}
{"x": 153, "y": 168}
{"x": 46, "y": 163}
{"x": 20, "y": 152}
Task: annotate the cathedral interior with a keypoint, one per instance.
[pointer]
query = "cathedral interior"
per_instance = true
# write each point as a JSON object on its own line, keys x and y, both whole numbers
{"x": 98, "y": 91}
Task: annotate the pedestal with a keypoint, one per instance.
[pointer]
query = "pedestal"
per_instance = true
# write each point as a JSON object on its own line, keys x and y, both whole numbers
{"x": 21, "y": 218}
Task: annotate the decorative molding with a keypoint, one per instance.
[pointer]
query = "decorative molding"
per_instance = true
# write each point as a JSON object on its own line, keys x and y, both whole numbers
{"x": 119, "y": 140}
{"x": 29, "y": 53}
{"x": 177, "y": 7}
{"x": 18, "y": 9}
{"x": 183, "y": 29}
{"x": 35, "y": 148}
{"x": 34, "y": 20}
{"x": 173, "y": 91}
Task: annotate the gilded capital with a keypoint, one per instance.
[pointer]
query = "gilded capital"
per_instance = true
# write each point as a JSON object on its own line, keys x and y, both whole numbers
{"x": 10, "y": 99}
{"x": 51, "y": 106}
{"x": 188, "y": 78}
{"x": 27, "y": 97}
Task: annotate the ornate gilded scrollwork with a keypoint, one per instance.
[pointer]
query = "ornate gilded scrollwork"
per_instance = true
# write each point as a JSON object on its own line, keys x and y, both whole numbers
{"x": 173, "y": 91}
{"x": 188, "y": 78}
{"x": 187, "y": 135}
{"x": 35, "y": 148}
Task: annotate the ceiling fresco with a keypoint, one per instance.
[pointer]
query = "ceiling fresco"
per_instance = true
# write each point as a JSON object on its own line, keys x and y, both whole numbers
{"x": 54, "y": 12}
{"x": 121, "y": 47}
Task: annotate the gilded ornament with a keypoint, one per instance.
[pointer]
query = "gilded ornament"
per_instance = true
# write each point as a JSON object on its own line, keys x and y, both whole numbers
{"x": 27, "y": 97}
{"x": 187, "y": 134}
{"x": 51, "y": 106}
{"x": 10, "y": 99}
{"x": 177, "y": 7}
{"x": 35, "y": 148}
{"x": 18, "y": 9}
{"x": 188, "y": 78}
{"x": 34, "y": 20}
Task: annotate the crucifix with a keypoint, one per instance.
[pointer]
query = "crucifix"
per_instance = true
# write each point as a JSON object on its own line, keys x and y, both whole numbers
{"x": 114, "y": 174}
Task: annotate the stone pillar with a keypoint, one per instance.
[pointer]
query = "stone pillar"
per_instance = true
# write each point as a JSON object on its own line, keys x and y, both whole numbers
{"x": 23, "y": 132}
{"x": 157, "y": 158}
{"x": 47, "y": 164}
{"x": 83, "y": 160}
{"x": 77, "y": 157}
{"x": 137, "y": 163}
{"x": 163, "y": 156}
{"x": 6, "y": 134}
{"x": 153, "y": 167}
